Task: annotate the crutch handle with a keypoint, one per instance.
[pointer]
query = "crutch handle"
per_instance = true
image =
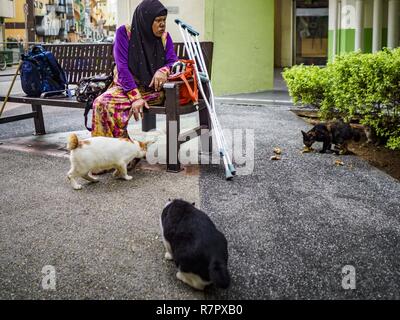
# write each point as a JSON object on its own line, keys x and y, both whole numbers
{"x": 178, "y": 21}
{"x": 188, "y": 27}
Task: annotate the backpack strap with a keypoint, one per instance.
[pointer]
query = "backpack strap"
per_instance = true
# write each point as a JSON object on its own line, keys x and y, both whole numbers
{"x": 88, "y": 107}
{"x": 56, "y": 67}
{"x": 192, "y": 93}
{"x": 183, "y": 76}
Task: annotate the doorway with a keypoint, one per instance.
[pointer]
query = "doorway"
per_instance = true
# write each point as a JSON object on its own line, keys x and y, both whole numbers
{"x": 310, "y": 32}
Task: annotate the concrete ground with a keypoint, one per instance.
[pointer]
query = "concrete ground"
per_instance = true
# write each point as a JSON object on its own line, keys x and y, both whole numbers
{"x": 104, "y": 242}
{"x": 291, "y": 225}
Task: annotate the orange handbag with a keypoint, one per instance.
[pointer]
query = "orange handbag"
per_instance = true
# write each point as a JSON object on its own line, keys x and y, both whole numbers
{"x": 184, "y": 70}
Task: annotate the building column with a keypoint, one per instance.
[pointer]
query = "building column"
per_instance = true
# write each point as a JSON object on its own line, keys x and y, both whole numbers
{"x": 333, "y": 4}
{"x": 31, "y": 21}
{"x": 377, "y": 26}
{"x": 359, "y": 43}
{"x": 2, "y": 29}
{"x": 393, "y": 23}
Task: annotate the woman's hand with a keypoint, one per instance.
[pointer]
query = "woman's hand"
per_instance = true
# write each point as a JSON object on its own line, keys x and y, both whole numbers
{"x": 158, "y": 80}
{"x": 137, "y": 108}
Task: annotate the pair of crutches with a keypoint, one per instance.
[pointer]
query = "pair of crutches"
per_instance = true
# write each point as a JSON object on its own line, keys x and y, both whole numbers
{"x": 192, "y": 44}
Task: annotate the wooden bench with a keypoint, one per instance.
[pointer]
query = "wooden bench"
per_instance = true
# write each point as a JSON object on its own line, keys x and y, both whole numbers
{"x": 84, "y": 60}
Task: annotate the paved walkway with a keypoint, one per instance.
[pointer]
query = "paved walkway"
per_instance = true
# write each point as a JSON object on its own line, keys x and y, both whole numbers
{"x": 103, "y": 242}
{"x": 292, "y": 225}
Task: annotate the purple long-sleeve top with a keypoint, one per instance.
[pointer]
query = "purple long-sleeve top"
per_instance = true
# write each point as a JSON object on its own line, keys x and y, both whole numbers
{"x": 121, "y": 46}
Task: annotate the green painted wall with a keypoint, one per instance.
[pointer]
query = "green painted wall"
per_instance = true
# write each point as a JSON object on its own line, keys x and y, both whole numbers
{"x": 368, "y": 40}
{"x": 346, "y": 40}
{"x": 384, "y": 37}
{"x": 330, "y": 45}
{"x": 243, "y": 36}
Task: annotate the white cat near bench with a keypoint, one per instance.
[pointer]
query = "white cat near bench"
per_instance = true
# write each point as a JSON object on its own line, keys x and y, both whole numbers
{"x": 102, "y": 153}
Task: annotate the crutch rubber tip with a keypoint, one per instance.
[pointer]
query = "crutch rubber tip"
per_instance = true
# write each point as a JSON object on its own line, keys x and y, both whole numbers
{"x": 232, "y": 169}
{"x": 228, "y": 175}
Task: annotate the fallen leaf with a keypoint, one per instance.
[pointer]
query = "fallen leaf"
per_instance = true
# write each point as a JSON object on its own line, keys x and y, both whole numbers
{"x": 277, "y": 151}
{"x": 339, "y": 163}
{"x": 307, "y": 150}
{"x": 275, "y": 158}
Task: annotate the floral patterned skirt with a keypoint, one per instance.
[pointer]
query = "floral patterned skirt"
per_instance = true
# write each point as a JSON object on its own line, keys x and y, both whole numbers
{"x": 112, "y": 111}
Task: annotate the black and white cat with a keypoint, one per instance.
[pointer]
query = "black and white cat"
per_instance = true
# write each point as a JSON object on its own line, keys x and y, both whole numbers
{"x": 199, "y": 249}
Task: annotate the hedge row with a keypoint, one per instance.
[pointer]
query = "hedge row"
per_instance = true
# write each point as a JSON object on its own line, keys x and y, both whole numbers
{"x": 355, "y": 85}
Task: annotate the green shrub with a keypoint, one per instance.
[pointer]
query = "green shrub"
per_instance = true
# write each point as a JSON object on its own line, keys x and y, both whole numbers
{"x": 306, "y": 84}
{"x": 355, "y": 85}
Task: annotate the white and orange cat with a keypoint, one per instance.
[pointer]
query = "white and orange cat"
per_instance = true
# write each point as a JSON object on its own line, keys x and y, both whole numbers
{"x": 102, "y": 153}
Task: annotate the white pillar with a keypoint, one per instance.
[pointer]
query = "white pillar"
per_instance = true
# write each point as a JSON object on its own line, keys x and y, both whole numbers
{"x": 359, "y": 43}
{"x": 1, "y": 32}
{"x": 393, "y": 23}
{"x": 334, "y": 24}
{"x": 377, "y": 26}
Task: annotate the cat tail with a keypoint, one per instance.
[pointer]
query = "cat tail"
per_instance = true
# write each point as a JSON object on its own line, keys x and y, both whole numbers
{"x": 356, "y": 135}
{"x": 219, "y": 274}
{"x": 73, "y": 142}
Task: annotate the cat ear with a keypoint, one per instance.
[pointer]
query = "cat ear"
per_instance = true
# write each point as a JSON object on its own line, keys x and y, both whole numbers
{"x": 144, "y": 145}
{"x": 304, "y": 134}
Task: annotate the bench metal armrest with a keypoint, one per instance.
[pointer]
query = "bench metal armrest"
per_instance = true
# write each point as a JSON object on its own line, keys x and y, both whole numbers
{"x": 173, "y": 84}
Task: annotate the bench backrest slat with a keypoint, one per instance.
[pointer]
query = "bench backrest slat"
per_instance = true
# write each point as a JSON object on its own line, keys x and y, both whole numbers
{"x": 81, "y": 60}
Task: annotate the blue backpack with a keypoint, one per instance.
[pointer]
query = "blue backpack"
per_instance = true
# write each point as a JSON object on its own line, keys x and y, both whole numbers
{"x": 40, "y": 73}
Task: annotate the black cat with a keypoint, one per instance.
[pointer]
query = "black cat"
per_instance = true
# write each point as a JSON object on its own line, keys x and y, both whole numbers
{"x": 372, "y": 137}
{"x": 199, "y": 250}
{"x": 336, "y": 132}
